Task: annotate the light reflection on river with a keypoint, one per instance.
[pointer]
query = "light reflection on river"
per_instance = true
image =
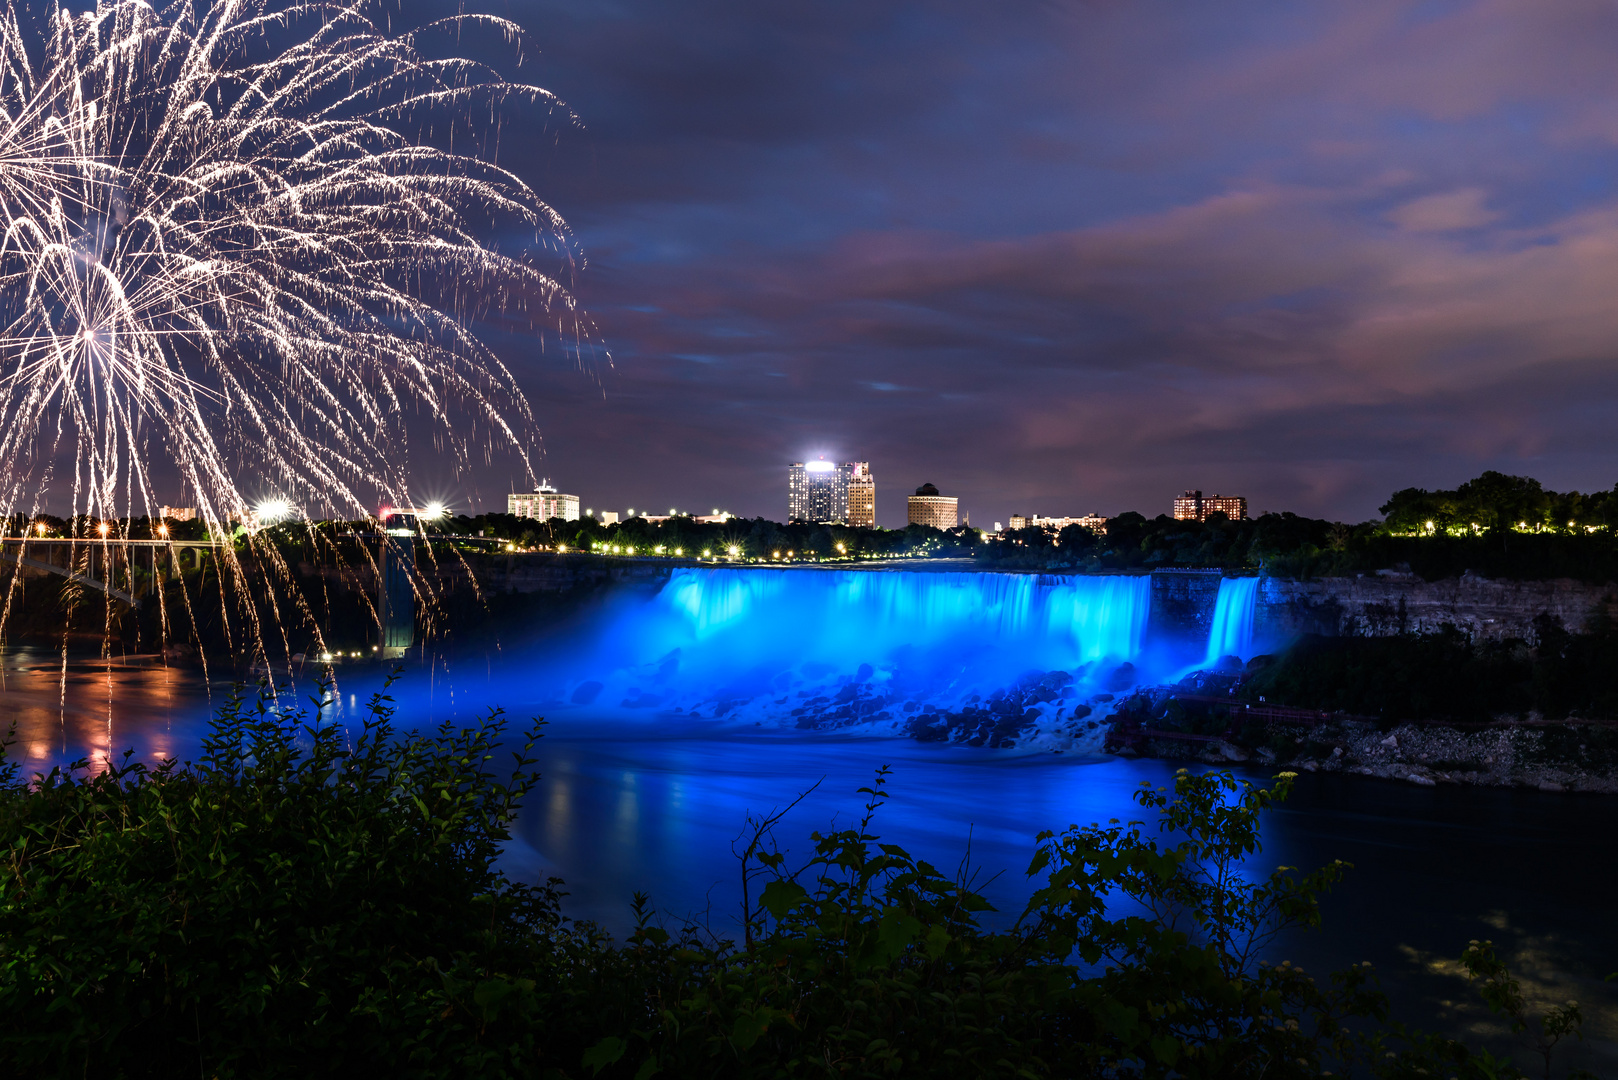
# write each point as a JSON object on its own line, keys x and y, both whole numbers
{"x": 655, "y": 803}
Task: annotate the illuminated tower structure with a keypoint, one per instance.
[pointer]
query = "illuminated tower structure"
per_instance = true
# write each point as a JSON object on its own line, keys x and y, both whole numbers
{"x": 861, "y": 495}
{"x": 819, "y": 490}
{"x": 395, "y": 585}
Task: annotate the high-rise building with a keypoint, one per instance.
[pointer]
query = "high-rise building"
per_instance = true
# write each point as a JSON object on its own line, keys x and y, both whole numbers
{"x": 178, "y": 513}
{"x": 820, "y": 490}
{"x": 928, "y": 507}
{"x": 544, "y": 504}
{"x": 1194, "y": 506}
{"x": 861, "y": 495}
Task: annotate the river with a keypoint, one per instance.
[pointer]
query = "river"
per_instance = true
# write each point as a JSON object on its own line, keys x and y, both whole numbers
{"x": 654, "y": 800}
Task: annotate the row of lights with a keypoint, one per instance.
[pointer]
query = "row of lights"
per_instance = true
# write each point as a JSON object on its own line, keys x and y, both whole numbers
{"x": 732, "y": 551}
{"x": 338, "y": 655}
{"x": 271, "y": 511}
{"x": 41, "y": 528}
{"x": 1431, "y": 527}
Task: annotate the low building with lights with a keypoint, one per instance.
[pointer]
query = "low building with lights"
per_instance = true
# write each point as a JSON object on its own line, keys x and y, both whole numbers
{"x": 928, "y": 507}
{"x": 177, "y": 513}
{"x": 1194, "y": 506}
{"x": 718, "y": 517}
{"x": 543, "y": 504}
{"x": 1093, "y": 522}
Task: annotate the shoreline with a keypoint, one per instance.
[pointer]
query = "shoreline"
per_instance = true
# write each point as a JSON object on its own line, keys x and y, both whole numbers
{"x": 1551, "y": 757}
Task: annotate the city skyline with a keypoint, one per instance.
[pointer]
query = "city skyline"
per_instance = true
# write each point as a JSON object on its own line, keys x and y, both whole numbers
{"x": 1206, "y": 257}
{"x": 1318, "y": 255}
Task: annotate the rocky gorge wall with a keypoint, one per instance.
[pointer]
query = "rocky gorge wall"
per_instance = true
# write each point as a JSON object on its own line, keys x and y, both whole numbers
{"x": 1182, "y": 604}
{"x": 1390, "y": 603}
{"x": 547, "y": 573}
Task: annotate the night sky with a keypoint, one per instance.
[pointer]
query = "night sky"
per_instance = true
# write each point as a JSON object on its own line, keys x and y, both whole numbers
{"x": 1073, "y": 257}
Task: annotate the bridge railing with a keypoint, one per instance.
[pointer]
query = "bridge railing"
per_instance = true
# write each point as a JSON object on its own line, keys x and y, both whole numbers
{"x": 105, "y": 563}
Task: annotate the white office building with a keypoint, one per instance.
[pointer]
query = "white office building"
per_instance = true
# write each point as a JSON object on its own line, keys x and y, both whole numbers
{"x": 543, "y": 504}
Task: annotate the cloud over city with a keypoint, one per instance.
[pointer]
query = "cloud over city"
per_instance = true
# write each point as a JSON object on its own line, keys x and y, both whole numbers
{"x": 1076, "y": 256}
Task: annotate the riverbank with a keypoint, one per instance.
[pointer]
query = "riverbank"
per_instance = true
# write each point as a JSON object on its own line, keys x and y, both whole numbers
{"x": 1546, "y": 757}
{"x": 1042, "y": 715}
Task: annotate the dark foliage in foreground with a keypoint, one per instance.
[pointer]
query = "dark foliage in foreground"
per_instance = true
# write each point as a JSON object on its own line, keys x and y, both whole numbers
{"x": 297, "y": 904}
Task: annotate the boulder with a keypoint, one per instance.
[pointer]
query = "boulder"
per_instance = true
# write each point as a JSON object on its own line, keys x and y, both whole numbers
{"x": 1220, "y": 750}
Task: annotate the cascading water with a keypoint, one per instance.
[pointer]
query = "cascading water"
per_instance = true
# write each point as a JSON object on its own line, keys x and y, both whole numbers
{"x": 1231, "y": 631}
{"x": 777, "y": 643}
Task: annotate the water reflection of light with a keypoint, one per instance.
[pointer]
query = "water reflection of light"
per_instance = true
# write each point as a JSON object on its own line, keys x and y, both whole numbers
{"x": 628, "y": 814}
{"x": 558, "y": 816}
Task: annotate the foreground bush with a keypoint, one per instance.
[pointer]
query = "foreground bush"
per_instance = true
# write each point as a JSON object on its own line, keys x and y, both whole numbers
{"x": 298, "y": 903}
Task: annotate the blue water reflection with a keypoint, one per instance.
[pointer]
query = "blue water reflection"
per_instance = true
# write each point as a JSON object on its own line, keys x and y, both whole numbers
{"x": 615, "y": 815}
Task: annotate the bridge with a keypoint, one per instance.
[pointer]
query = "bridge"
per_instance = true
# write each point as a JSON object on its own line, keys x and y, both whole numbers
{"x": 99, "y": 564}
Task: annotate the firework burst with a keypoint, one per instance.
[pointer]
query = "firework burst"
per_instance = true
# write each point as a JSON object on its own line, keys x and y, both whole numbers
{"x": 228, "y": 247}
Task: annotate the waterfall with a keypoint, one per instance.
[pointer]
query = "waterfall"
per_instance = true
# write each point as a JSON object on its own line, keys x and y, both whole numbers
{"x": 746, "y": 634}
{"x": 1231, "y": 632}
{"x": 841, "y": 616}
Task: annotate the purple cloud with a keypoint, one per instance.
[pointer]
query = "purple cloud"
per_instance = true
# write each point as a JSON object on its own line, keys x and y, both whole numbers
{"x": 1101, "y": 251}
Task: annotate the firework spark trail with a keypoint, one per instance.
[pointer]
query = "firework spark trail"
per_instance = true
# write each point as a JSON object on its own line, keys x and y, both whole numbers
{"x": 224, "y": 238}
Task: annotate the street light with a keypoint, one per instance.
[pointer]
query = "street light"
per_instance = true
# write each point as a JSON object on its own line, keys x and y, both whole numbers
{"x": 270, "y": 511}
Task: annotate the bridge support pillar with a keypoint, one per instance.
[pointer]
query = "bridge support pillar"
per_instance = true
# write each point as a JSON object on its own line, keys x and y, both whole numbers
{"x": 396, "y": 595}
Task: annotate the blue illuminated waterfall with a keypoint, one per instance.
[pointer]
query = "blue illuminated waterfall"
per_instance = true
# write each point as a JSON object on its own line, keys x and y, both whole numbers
{"x": 742, "y": 635}
{"x": 1231, "y": 631}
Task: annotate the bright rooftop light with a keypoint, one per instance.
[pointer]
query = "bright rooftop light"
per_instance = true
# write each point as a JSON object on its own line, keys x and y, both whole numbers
{"x": 269, "y": 511}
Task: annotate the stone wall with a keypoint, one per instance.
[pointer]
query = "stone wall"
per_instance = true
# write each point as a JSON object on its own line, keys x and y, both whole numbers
{"x": 1394, "y": 603}
{"x": 532, "y": 572}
